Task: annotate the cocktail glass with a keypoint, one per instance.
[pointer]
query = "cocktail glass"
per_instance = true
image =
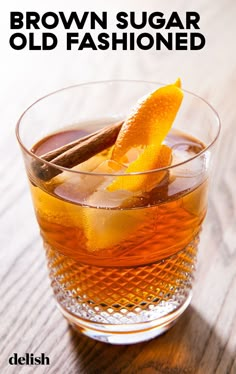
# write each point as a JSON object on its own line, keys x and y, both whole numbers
{"x": 121, "y": 264}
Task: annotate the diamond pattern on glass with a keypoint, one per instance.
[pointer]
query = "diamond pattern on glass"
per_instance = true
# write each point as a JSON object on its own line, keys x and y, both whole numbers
{"x": 123, "y": 295}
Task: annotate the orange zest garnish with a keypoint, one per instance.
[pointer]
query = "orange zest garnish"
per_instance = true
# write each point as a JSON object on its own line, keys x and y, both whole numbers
{"x": 145, "y": 129}
{"x": 150, "y": 159}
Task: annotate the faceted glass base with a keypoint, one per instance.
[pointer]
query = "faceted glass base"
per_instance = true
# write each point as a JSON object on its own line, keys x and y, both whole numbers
{"x": 123, "y": 305}
{"x": 127, "y": 333}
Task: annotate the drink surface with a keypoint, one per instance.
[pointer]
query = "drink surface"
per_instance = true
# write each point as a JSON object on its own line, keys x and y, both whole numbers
{"x": 80, "y": 219}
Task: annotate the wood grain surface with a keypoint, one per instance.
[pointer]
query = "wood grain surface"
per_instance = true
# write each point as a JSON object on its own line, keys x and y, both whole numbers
{"x": 204, "y": 339}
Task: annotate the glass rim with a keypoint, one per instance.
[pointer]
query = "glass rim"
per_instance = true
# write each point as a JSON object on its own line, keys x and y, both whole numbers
{"x": 62, "y": 168}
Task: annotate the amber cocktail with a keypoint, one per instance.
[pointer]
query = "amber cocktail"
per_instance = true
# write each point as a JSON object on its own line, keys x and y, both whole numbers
{"x": 121, "y": 259}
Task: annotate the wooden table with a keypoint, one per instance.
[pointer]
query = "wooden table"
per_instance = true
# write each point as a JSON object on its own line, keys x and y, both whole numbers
{"x": 204, "y": 339}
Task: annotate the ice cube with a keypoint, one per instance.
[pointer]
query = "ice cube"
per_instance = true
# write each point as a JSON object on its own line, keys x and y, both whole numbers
{"x": 108, "y": 200}
{"x": 193, "y": 168}
{"x": 188, "y": 175}
{"x": 108, "y": 226}
{"x": 79, "y": 187}
{"x": 71, "y": 187}
{"x": 183, "y": 151}
{"x": 109, "y": 167}
{"x": 101, "y": 197}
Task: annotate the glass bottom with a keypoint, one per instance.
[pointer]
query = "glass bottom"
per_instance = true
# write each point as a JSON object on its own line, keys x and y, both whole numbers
{"x": 123, "y": 305}
{"x": 125, "y": 334}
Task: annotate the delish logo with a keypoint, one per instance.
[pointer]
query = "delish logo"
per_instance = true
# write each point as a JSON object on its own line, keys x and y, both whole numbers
{"x": 29, "y": 359}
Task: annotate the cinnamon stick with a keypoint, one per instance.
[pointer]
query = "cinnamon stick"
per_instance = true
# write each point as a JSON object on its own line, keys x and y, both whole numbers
{"x": 49, "y": 156}
{"x": 76, "y": 152}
